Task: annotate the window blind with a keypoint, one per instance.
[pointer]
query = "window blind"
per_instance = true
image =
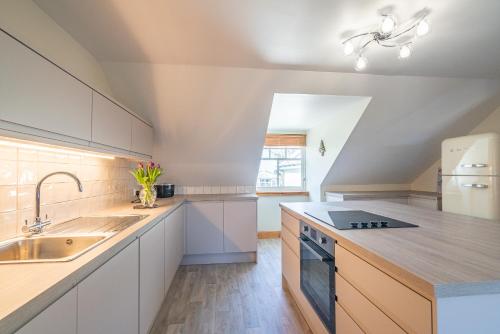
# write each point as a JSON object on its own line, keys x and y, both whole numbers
{"x": 285, "y": 140}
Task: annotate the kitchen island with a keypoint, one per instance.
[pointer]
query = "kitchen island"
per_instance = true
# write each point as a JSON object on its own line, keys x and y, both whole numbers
{"x": 441, "y": 277}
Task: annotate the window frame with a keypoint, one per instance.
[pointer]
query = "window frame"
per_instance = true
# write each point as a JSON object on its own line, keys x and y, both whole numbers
{"x": 302, "y": 160}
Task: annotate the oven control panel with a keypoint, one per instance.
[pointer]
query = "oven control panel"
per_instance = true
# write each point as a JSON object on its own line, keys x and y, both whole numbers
{"x": 319, "y": 238}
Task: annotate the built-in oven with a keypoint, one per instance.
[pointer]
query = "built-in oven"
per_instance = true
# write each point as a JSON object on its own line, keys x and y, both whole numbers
{"x": 317, "y": 273}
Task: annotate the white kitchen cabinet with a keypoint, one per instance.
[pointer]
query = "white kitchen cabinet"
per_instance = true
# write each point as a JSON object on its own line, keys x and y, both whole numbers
{"x": 38, "y": 95}
{"x": 111, "y": 125}
{"x": 58, "y": 318}
{"x": 204, "y": 228}
{"x": 142, "y": 137}
{"x": 108, "y": 299}
{"x": 174, "y": 243}
{"x": 240, "y": 226}
{"x": 152, "y": 277}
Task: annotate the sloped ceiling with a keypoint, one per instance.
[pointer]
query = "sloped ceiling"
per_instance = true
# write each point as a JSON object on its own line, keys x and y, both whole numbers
{"x": 210, "y": 121}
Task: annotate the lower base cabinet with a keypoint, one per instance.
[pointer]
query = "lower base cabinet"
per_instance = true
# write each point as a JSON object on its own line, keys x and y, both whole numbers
{"x": 58, "y": 318}
{"x": 174, "y": 243}
{"x": 108, "y": 299}
{"x": 152, "y": 277}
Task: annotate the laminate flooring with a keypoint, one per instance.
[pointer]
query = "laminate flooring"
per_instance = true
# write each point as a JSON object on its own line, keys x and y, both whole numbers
{"x": 231, "y": 298}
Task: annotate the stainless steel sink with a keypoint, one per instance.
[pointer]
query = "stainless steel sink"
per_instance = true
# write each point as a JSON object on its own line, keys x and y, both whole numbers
{"x": 65, "y": 241}
{"x": 49, "y": 248}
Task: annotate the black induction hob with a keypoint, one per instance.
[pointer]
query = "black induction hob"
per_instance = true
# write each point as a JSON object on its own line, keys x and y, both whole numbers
{"x": 356, "y": 219}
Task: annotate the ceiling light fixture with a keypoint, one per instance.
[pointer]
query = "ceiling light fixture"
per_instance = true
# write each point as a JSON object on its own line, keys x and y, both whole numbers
{"x": 361, "y": 63}
{"x": 389, "y": 35}
{"x": 404, "y": 51}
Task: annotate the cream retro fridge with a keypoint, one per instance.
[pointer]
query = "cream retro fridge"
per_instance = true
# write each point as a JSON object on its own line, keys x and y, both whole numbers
{"x": 471, "y": 175}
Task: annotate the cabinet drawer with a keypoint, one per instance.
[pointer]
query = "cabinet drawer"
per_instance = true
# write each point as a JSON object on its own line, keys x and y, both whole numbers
{"x": 291, "y": 223}
{"x": 291, "y": 240}
{"x": 408, "y": 309}
{"x": 367, "y": 315}
{"x": 344, "y": 323}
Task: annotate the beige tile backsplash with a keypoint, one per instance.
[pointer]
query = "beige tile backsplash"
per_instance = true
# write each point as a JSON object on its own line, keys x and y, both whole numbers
{"x": 105, "y": 183}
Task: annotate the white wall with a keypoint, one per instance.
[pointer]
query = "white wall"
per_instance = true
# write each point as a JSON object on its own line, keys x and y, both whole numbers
{"x": 334, "y": 132}
{"x": 269, "y": 212}
{"x": 24, "y": 20}
{"x": 210, "y": 122}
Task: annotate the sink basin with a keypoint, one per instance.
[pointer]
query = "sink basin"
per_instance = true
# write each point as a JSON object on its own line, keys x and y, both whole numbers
{"x": 49, "y": 248}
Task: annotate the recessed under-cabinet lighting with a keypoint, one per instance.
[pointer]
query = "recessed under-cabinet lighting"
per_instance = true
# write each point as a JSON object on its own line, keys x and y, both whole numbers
{"x": 20, "y": 144}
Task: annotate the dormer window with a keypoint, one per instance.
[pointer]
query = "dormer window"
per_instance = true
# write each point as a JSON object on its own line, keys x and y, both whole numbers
{"x": 282, "y": 165}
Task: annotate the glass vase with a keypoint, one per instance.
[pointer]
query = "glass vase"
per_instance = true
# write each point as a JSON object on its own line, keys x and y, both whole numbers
{"x": 147, "y": 195}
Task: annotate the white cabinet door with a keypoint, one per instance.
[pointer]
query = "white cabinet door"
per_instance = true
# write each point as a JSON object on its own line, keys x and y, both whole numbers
{"x": 38, "y": 94}
{"x": 58, "y": 318}
{"x": 142, "y": 137}
{"x": 108, "y": 299}
{"x": 151, "y": 289}
{"x": 174, "y": 243}
{"x": 204, "y": 228}
{"x": 111, "y": 125}
{"x": 240, "y": 226}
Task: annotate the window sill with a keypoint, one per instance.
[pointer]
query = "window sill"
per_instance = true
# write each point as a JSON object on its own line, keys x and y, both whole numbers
{"x": 282, "y": 193}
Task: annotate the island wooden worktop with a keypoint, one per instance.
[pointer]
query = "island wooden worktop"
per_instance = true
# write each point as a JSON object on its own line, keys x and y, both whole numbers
{"x": 28, "y": 288}
{"x": 447, "y": 255}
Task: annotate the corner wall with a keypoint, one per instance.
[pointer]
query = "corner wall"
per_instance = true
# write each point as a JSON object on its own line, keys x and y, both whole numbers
{"x": 334, "y": 132}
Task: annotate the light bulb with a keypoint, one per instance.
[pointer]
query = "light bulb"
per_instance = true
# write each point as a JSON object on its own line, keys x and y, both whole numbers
{"x": 422, "y": 28}
{"x": 361, "y": 63}
{"x": 348, "y": 48}
{"x": 404, "y": 52}
{"x": 388, "y": 25}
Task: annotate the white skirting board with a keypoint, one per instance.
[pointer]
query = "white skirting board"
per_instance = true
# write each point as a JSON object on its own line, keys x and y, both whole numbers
{"x": 219, "y": 258}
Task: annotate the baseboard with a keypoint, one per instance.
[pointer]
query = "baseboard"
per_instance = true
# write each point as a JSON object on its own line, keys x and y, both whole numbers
{"x": 219, "y": 258}
{"x": 269, "y": 234}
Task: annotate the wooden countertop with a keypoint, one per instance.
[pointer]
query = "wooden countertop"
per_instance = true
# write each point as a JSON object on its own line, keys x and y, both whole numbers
{"x": 447, "y": 255}
{"x": 28, "y": 288}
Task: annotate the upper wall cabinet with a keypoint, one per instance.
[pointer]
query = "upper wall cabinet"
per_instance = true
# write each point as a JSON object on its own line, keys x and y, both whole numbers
{"x": 111, "y": 125}
{"x": 37, "y": 94}
{"x": 142, "y": 137}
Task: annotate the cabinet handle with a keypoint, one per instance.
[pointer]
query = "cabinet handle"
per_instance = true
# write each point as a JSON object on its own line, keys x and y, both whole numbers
{"x": 474, "y": 165}
{"x": 475, "y": 185}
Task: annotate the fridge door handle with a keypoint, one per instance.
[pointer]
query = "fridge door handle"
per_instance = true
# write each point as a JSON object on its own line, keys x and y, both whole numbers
{"x": 474, "y": 165}
{"x": 475, "y": 185}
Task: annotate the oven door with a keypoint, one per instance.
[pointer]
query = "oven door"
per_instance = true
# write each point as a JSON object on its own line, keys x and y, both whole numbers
{"x": 317, "y": 280}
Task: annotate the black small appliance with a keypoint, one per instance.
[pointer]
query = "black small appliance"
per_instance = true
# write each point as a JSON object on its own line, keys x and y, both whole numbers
{"x": 164, "y": 190}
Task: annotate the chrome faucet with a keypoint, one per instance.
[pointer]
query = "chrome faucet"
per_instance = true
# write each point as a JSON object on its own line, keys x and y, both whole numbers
{"x": 39, "y": 224}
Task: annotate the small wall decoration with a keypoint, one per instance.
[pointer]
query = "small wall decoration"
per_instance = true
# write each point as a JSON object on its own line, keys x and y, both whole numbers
{"x": 322, "y": 148}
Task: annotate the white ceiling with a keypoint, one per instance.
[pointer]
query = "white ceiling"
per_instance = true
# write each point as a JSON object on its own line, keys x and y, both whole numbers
{"x": 298, "y": 34}
{"x": 298, "y": 112}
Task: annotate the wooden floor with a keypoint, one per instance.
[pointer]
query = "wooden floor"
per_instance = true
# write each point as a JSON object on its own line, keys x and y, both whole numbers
{"x": 231, "y": 298}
